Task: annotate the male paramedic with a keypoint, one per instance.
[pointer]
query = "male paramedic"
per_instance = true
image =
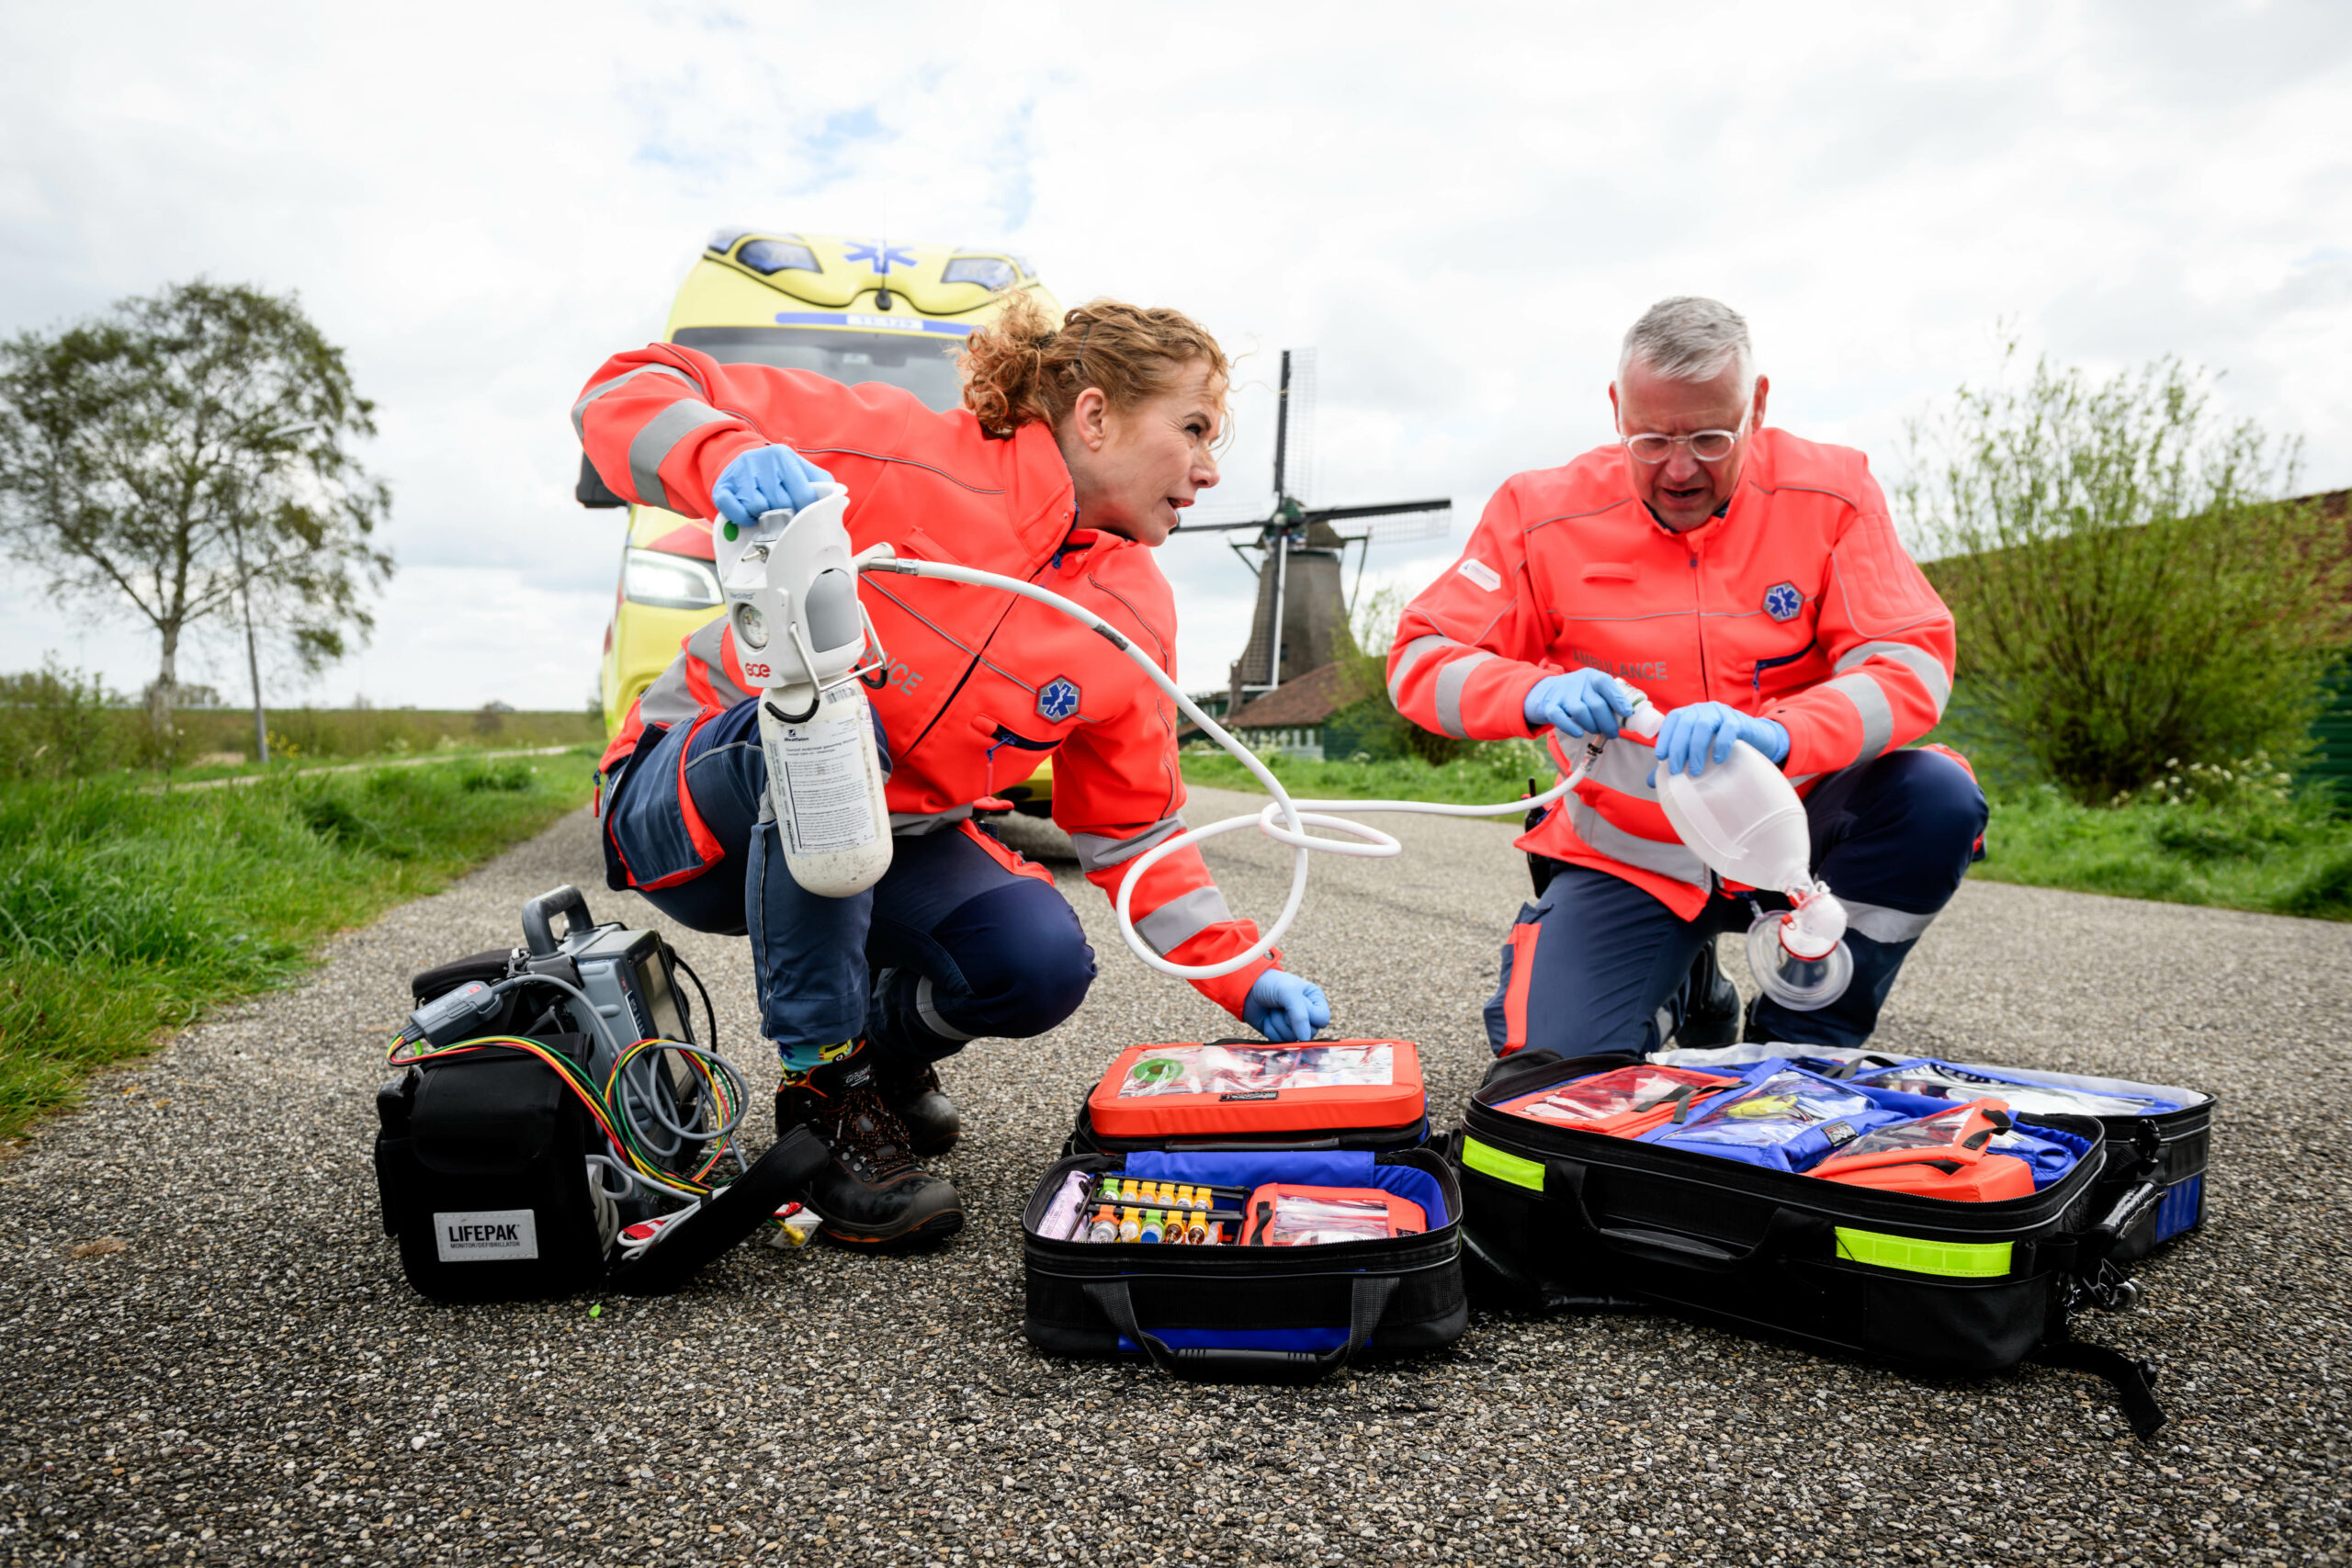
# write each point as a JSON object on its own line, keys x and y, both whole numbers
{"x": 1751, "y": 584}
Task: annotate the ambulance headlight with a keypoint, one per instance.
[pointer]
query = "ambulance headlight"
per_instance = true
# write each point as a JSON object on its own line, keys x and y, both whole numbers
{"x": 670, "y": 583}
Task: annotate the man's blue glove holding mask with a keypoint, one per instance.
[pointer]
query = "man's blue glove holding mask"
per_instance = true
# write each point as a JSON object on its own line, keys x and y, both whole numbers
{"x": 766, "y": 479}
{"x": 1703, "y": 733}
{"x": 1285, "y": 1009}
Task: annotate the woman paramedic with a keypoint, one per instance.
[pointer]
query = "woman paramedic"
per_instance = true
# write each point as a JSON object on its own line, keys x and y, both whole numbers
{"x": 1078, "y": 446}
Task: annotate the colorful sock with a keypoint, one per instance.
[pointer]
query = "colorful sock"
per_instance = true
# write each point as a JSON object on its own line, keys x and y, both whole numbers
{"x": 798, "y": 1061}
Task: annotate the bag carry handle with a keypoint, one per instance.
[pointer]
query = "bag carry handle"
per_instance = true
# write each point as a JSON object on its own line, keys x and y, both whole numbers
{"x": 538, "y": 918}
{"x": 2128, "y": 1211}
{"x": 1785, "y": 1226}
{"x": 1368, "y": 1297}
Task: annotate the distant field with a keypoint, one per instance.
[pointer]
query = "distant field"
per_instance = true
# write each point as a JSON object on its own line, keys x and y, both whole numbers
{"x": 296, "y": 734}
{"x": 126, "y": 912}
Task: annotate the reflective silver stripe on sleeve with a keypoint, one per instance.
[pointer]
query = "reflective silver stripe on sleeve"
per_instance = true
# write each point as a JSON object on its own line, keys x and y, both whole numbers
{"x": 660, "y": 436}
{"x": 1096, "y": 851}
{"x": 669, "y": 700}
{"x": 1879, "y": 923}
{"x": 1919, "y": 661}
{"x": 708, "y": 644}
{"x": 1625, "y": 766}
{"x": 1449, "y": 692}
{"x": 579, "y": 409}
{"x": 1414, "y": 653}
{"x": 915, "y": 824}
{"x": 1870, "y": 701}
{"x": 927, "y": 1006}
{"x": 1181, "y": 920}
{"x": 1677, "y": 860}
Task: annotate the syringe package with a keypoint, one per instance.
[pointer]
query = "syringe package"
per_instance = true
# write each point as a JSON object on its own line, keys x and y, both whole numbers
{"x": 1938, "y": 1235}
{"x": 1224, "y": 1094}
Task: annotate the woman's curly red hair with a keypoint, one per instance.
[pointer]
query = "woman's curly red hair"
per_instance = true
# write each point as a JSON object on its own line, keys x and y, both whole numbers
{"x": 1022, "y": 369}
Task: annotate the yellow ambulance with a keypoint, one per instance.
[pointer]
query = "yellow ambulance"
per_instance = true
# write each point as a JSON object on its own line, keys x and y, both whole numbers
{"x": 854, "y": 310}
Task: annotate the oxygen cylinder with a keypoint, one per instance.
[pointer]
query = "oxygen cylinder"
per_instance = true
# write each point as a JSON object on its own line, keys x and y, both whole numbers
{"x": 791, "y": 593}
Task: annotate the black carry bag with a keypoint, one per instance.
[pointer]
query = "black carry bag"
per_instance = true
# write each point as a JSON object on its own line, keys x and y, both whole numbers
{"x": 2167, "y": 1141}
{"x": 482, "y": 1168}
{"x": 1558, "y": 1216}
{"x": 1250, "y": 1313}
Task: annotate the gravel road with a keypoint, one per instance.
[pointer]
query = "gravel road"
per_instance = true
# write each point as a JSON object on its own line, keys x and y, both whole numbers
{"x": 217, "y": 1359}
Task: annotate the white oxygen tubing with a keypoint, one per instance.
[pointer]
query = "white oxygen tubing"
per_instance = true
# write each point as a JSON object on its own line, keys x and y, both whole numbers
{"x": 1285, "y": 820}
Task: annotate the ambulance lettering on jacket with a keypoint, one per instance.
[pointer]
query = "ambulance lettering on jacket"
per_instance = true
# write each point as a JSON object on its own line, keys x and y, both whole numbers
{"x": 1635, "y": 669}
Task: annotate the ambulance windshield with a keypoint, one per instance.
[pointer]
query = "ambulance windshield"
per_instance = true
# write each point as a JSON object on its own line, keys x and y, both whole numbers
{"x": 923, "y": 365}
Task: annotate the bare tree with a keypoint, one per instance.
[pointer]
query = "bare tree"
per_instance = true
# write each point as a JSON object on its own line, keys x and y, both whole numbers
{"x": 188, "y": 448}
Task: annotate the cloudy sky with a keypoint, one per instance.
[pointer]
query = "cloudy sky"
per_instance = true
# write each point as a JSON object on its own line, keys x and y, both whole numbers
{"x": 480, "y": 201}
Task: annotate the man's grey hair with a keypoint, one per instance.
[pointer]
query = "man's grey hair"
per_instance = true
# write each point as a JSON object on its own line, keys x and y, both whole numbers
{"x": 1689, "y": 338}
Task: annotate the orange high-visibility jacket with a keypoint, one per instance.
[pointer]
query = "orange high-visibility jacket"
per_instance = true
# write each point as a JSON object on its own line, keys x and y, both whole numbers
{"x": 1799, "y": 604}
{"x": 979, "y": 683}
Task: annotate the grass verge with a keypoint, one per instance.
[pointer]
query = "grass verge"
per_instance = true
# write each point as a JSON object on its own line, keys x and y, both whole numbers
{"x": 125, "y": 913}
{"x": 2279, "y": 857}
{"x": 1496, "y": 770}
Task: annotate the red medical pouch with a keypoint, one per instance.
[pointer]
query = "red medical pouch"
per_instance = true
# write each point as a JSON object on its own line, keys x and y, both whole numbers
{"x": 1944, "y": 1156}
{"x": 1281, "y": 1213}
{"x": 1248, "y": 1094}
{"x": 1624, "y": 1103}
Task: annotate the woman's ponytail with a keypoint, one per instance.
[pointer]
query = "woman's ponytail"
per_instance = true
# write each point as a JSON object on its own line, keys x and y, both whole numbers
{"x": 1022, "y": 369}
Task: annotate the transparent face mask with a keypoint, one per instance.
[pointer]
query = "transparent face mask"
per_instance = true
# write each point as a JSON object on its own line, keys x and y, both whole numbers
{"x": 1227, "y": 1070}
{"x": 1776, "y": 1110}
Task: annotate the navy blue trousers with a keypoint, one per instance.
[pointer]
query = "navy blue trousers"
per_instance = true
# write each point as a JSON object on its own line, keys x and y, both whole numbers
{"x": 1597, "y": 965}
{"x": 961, "y": 938}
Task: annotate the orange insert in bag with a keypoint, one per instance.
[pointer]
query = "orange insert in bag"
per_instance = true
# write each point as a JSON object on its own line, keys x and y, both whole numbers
{"x": 1252, "y": 1088}
{"x": 1943, "y": 1155}
{"x": 1279, "y": 1213}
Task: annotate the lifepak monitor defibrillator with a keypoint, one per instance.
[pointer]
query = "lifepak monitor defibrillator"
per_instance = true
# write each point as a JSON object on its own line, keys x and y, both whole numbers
{"x": 556, "y": 1111}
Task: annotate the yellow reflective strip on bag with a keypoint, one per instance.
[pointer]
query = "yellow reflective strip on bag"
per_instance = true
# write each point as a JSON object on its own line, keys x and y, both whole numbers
{"x": 1962, "y": 1260}
{"x": 1493, "y": 1162}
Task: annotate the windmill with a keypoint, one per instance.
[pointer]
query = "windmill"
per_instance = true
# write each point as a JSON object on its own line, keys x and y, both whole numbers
{"x": 1300, "y": 621}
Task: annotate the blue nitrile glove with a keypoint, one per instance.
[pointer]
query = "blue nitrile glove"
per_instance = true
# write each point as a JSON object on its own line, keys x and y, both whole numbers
{"x": 1285, "y": 1009}
{"x": 1694, "y": 736}
{"x": 1577, "y": 701}
{"x": 764, "y": 479}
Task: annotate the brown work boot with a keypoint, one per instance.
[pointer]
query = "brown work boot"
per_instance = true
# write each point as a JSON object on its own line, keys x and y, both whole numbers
{"x": 931, "y": 1120}
{"x": 870, "y": 1193}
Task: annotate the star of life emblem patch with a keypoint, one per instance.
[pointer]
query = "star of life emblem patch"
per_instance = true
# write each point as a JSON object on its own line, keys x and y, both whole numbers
{"x": 1782, "y": 602}
{"x": 1057, "y": 699}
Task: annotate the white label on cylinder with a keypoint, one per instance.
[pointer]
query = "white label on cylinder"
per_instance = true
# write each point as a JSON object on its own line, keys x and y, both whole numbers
{"x": 825, "y": 800}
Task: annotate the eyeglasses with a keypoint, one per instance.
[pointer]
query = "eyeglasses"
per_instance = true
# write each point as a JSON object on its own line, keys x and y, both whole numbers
{"x": 1707, "y": 445}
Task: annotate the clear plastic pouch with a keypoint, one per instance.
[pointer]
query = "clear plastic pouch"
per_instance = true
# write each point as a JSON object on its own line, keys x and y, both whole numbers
{"x": 1309, "y": 1222}
{"x": 1781, "y": 1109}
{"x": 1962, "y": 1130}
{"x": 1230, "y": 1069}
{"x": 1611, "y": 1102}
{"x": 1940, "y": 1080}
